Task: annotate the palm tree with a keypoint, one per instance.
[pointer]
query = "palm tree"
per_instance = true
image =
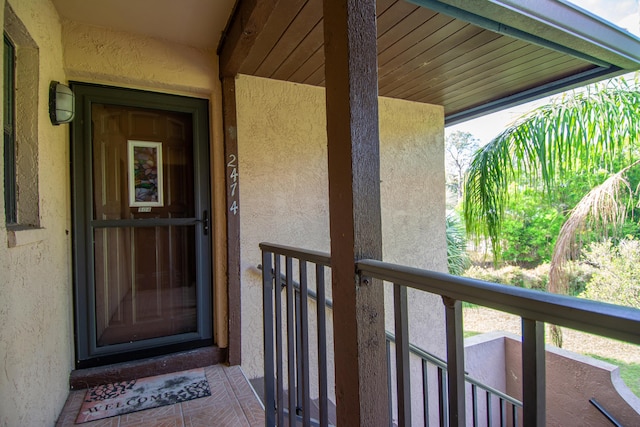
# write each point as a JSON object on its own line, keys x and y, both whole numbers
{"x": 590, "y": 131}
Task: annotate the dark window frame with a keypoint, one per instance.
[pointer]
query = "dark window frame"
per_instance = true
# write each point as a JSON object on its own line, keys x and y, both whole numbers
{"x": 10, "y": 196}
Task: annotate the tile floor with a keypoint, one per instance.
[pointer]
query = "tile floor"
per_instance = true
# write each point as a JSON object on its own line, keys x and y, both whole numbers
{"x": 232, "y": 403}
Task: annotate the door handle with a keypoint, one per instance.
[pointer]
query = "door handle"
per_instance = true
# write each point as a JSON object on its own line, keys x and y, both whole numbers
{"x": 205, "y": 222}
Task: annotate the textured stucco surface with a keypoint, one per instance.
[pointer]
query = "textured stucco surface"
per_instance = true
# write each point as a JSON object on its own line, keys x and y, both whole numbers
{"x": 284, "y": 192}
{"x": 573, "y": 379}
{"x": 36, "y": 352}
{"x": 101, "y": 55}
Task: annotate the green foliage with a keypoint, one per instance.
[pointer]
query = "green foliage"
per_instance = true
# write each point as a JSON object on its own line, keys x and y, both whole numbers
{"x": 616, "y": 277}
{"x": 532, "y": 278}
{"x": 530, "y": 228}
{"x": 586, "y": 135}
{"x": 512, "y": 275}
{"x": 457, "y": 257}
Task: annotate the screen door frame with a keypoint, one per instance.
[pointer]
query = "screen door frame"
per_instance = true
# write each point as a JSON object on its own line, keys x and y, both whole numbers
{"x": 88, "y": 353}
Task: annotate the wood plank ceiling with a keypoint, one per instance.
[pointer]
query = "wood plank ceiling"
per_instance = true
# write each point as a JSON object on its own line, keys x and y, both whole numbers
{"x": 423, "y": 55}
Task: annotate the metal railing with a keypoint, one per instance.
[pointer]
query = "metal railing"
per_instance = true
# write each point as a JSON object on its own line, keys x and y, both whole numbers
{"x": 508, "y": 406}
{"x": 535, "y": 308}
{"x": 295, "y": 320}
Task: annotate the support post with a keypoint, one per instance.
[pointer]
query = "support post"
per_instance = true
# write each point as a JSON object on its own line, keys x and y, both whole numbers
{"x": 354, "y": 207}
{"x": 455, "y": 362}
{"x": 233, "y": 216}
{"x": 533, "y": 373}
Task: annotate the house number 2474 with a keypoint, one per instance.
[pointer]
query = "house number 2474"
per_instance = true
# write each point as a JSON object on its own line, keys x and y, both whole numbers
{"x": 233, "y": 183}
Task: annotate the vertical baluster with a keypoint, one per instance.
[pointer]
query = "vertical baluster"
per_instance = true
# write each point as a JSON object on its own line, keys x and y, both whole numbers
{"x": 389, "y": 386}
{"x": 442, "y": 397}
{"x": 291, "y": 342}
{"x": 455, "y": 361}
{"x": 533, "y": 373}
{"x": 305, "y": 401}
{"x": 489, "y": 410}
{"x": 474, "y": 402}
{"x": 402, "y": 355}
{"x": 267, "y": 307}
{"x": 503, "y": 413}
{"x": 322, "y": 347}
{"x": 279, "y": 343}
{"x": 514, "y": 414}
{"x": 425, "y": 392}
{"x": 299, "y": 355}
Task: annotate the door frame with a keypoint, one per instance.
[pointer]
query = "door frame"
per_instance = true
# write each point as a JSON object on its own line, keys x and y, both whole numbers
{"x": 87, "y": 352}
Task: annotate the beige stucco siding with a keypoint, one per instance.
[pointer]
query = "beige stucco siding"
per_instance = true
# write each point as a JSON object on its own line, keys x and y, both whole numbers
{"x": 282, "y": 150}
{"x": 36, "y": 351}
{"x": 100, "y": 55}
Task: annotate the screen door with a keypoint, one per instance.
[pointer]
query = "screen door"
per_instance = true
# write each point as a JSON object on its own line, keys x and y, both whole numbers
{"x": 141, "y": 183}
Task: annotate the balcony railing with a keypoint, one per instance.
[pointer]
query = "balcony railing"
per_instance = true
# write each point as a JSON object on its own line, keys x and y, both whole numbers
{"x": 535, "y": 309}
{"x": 483, "y": 396}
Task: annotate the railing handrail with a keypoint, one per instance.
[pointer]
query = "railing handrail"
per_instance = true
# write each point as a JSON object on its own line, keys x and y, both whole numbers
{"x": 605, "y": 413}
{"x": 442, "y": 364}
{"x": 317, "y": 257}
{"x": 596, "y": 317}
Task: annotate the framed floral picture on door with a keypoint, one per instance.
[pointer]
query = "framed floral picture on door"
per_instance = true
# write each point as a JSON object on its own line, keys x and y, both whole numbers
{"x": 145, "y": 174}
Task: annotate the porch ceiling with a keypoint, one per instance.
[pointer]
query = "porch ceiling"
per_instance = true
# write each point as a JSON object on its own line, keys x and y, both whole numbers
{"x": 472, "y": 57}
{"x": 197, "y": 23}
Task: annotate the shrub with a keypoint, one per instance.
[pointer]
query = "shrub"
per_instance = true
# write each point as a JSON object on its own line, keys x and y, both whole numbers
{"x": 616, "y": 276}
{"x": 534, "y": 278}
{"x": 513, "y": 275}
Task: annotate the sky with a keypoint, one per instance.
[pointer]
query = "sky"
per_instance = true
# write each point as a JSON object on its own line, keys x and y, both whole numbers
{"x": 623, "y": 13}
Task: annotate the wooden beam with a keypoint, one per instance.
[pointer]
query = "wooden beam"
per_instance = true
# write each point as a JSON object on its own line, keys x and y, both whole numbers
{"x": 248, "y": 19}
{"x": 354, "y": 209}
{"x": 233, "y": 216}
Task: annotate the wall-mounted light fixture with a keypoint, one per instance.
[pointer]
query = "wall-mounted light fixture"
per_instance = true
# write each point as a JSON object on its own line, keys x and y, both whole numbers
{"x": 61, "y": 103}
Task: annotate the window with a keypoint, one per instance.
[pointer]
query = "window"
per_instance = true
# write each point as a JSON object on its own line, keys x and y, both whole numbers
{"x": 20, "y": 122}
{"x": 9, "y": 133}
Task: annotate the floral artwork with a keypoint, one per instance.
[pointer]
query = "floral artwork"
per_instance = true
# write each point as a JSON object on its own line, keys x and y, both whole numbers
{"x": 145, "y": 173}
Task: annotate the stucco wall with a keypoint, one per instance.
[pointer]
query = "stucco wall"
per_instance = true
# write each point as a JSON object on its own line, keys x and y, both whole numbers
{"x": 495, "y": 359}
{"x": 282, "y": 152}
{"x": 36, "y": 352}
{"x": 100, "y": 55}
{"x": 571, "y": 380}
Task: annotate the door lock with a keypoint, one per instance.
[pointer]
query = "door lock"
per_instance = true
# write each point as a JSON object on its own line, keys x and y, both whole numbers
{"x": 205, "y": 222}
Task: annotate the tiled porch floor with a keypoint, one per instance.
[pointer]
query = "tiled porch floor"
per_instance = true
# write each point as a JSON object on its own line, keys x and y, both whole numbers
{"x": 232, "y": 403}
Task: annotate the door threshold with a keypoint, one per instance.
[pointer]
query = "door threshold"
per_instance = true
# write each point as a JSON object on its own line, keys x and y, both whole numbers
{"x": 126, "y": 371}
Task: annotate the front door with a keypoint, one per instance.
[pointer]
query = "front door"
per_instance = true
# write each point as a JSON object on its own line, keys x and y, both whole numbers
{"x": 141, "y": 224}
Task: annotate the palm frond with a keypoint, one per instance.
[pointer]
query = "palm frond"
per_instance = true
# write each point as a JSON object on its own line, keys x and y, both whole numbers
{"x": 583, "y": 131}
{"x": 603, "y": 206}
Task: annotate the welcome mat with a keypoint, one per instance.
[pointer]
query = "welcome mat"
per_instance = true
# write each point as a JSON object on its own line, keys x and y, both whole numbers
{"x": 115, "y": 399}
